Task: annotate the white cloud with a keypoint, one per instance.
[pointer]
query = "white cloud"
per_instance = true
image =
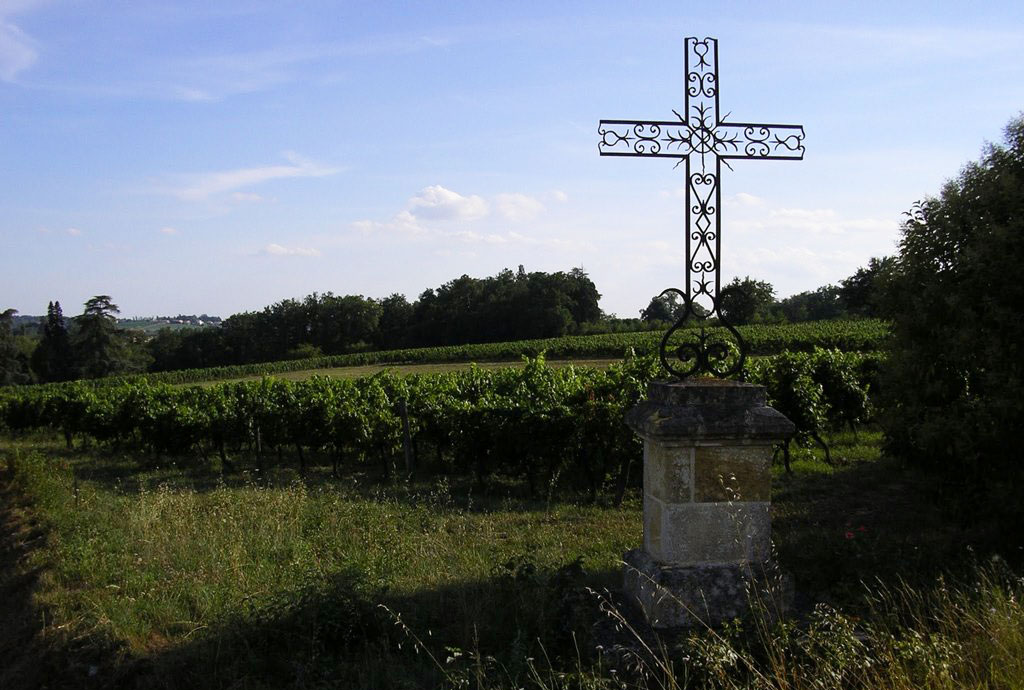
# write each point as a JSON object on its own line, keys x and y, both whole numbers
{"x": 428, "y": 212}
{"x": 74, "y": 232}
{"x": 169, "y": 231}
{"x": 559, "y": 196}
{"x": 17, "y": 49}
{"x": 279, "y": 250}
{"x": 518, "y": 207}
{"x": 202, "y": 186}
{"x": 813, "y": 221}
{"x": 794, "y": 265}
{"x": 471, "y": 237}
{"x": 438, "y": 203}
{"x": 403, "y": 222}
{"x": 744, "y": 199}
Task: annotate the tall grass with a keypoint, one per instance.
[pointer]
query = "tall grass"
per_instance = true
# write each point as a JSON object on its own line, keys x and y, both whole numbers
{"x": 170, "y": 579}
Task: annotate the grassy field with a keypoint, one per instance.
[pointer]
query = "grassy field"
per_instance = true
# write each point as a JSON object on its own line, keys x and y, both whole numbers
{"x": 178, "y": 577}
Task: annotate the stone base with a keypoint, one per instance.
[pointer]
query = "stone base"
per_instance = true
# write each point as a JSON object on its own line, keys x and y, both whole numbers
{"x": 676, "y": 596}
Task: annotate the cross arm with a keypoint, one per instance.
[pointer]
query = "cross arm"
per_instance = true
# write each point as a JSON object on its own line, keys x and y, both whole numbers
{"x": 759, "y": 141}
{"x": 644, "y": 138}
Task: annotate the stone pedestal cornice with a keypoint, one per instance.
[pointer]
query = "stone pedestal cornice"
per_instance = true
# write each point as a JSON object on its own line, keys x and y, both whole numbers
{"x": 708, "y": 410}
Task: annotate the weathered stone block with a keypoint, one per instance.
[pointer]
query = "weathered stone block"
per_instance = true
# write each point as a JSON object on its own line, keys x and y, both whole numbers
{"x": 652, "y": 525}
{"x": 668, "y": 472}
{"x": 707, "y": 410}
{"x": 675, "y": 596}
{"x": 732, "y": 473}
{"x": 713, "y": 533}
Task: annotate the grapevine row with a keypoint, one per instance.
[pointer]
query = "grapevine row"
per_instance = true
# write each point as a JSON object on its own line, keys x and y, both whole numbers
{"x": 534, "y": 423}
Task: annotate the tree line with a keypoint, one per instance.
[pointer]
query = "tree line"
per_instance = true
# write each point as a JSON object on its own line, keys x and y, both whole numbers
{"x": 748, "y": 300}
{"x": 508, "y": 306}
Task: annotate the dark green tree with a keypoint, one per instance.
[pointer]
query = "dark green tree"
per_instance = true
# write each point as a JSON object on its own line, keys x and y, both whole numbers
{"x": 395, "y": 319}
{"x": 52, "y": 359}
{"x": 953, "y": 385}
{"x": 13, "y": 364}
{"x": 817, "y": 305}
{"x": 99, "y": 348}
{"x": 584, "y": 296}
{"x": 746, "y": 300}
{"x": 862, "y": 294}
{"x": 666, "y": 307}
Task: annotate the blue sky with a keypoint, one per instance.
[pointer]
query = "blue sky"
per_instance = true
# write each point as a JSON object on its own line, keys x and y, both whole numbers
{"x": 221, "y": 156}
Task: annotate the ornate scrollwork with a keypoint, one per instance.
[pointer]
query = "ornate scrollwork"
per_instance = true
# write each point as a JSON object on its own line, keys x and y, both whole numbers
{"x": 703, "y": 139}
{"x": 692, "y": 347}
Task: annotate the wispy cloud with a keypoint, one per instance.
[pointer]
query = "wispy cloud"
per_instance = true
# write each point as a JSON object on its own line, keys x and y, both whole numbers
{"x": 280, "y": 250}
{"x": 438, "y": 203}
{"x": 813, "y": 221}
{"x": 744, "y": 199}
{"x": 430, "y": 214}
{"x": 203, "y": 186}
{"x": 215, "y": 77}
{"x": 403, "y": 223}
{"x": 518, "y": 207}
{"x": 169, "y": 230}
{"x": 74, "y": 232}
{"x": 244, "y": 197}
{"x": 18, "y": 50}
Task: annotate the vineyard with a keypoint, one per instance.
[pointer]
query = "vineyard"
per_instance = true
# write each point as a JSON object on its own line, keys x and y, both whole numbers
{"x": 858, "y": 336}
{"x": 535, "y": 423}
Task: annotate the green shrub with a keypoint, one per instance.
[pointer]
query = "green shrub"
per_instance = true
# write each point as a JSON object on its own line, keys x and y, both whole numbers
{"x": 953, "y": 382}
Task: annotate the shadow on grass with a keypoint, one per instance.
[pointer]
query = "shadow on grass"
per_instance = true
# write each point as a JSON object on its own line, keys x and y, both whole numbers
{"x": 834, "y": 532}
{"x": 346, "y": 636}
{"x": 872, "y": 522}
{"x": 342, "y": 633}
{"x": 31, "y": 657}
{"x": 128, "y": 472}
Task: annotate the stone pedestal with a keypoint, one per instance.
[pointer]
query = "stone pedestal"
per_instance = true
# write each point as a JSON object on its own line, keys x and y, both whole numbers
{"x": 707, "y": 493}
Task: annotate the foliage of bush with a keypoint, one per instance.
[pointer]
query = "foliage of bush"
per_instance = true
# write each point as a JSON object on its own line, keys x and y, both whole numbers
{"x": 953, "y": 382}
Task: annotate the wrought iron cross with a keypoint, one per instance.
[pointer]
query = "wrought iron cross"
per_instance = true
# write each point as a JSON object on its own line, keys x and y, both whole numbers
{"x": 702, "y": 139}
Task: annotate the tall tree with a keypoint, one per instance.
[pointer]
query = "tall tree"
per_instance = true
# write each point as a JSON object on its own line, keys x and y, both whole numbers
{"x": 746, "y": 300}
{"x": 666, "y": 307}
{"x": 13, "y": 364}
{"x": 862, "y": 294}
{"x": 816, "y": 305}
{"x": 395, "y": 319}
{"x": 52, "y": 359}
{"x": 98, "y": 347}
